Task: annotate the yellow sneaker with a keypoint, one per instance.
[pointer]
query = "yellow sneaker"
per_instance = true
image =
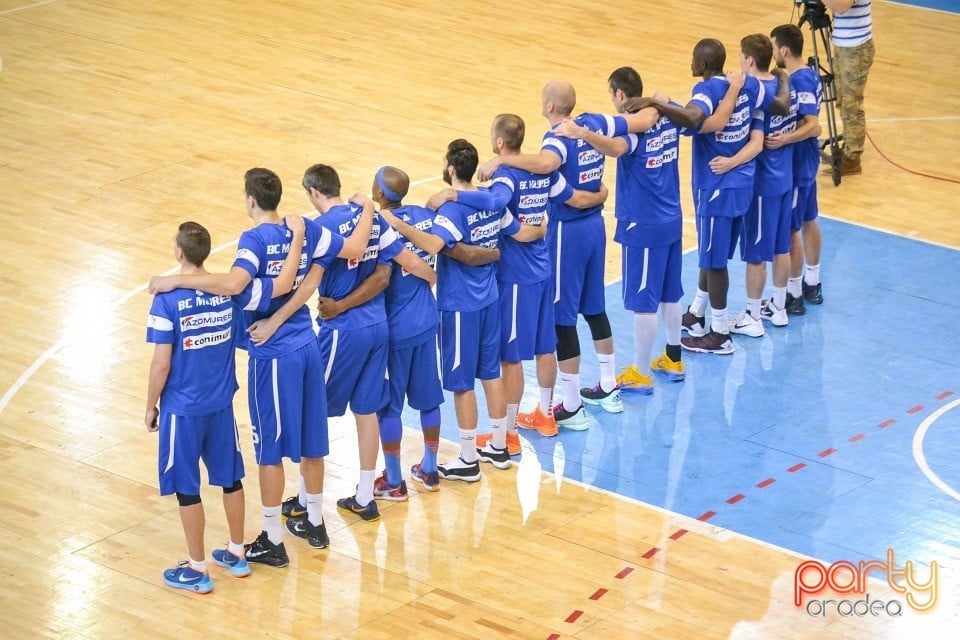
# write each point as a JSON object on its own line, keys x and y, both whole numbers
{"x": 673, "y": 370}
{"x": 513, "y": 442}
{"x": 539, "y": 421}
{"x": 631, "y": 379}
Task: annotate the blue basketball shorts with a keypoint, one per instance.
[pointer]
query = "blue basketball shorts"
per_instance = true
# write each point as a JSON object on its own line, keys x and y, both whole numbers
{"x": 414, "y": 372}
{"x": 719, "y": 216}
{"x": 651, "y": 275}
{"x": 766, "y": 228}
{"x": 355, "y": 368}
{"x": 805, "y": 207}
{"x": 186, "y": 440}
{"x": 527, "y": 325}
{"x": 577, "y": 248}
{"x": 288, "y": 406}
{"x": 469, "y": 347}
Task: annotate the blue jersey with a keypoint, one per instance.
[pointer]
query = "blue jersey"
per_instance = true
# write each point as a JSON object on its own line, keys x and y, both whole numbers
{"x": 462, "y": 287}
{"x": 261, "y": 252}
{"x": 344, "y": 276}
{"x": 733, "y": 137}
{"x": 411, "y": 306}
{"x": 806, "y": 153}
{"x": 524, "y": 197}
{"x": 775, "y": 166}
{"x": 204, "y": 332}
{"x": 580, "y": 164}
{"x": 648, "y": 188}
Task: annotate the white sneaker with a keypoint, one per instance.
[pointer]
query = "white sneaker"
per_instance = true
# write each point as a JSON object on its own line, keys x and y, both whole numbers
{"x": 747, "y": 325}
{"x": 460, "y": 469}
{"x": 770, "y": 312}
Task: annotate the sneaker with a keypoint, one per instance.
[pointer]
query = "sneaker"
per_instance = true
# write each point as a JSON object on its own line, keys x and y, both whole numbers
{"x": 693, "y": 324}
{"x": 184, "y": 577}
{"x": 609, "y": 401}
{"x": 369, "y": 513}
{"x": 795, "y": 306}
{"x": 633, "y": 380}
{"x": 813, "y": 293}
{"x": 291, "y": 508}
{"x": 238, "y": 566}
{"x": 713, "y": 342}
{"x": 513, "y": 440}
{"x": 538, "y": 421}
{"x": 747, "y": 325}
{"x": 460, "y": 469}
{"x": 575, "y": 420}
{"x": 383, "y": 490}
{"x": 315, "y": 535}
{"x": 430, "y": 481}
{"x": 265, "y": 552}
{"x": 770, "y": 312}
{"x": 673, "y": 370}
{"x": 499, "y": 458}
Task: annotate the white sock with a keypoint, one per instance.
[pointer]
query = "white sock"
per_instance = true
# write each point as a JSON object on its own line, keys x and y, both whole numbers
{"x": 271, "y": 524}
{"x": 365, "y": 487}
{"x": 608, "y": 372}
{"x": 753, "y": 308}
{"x": 198, "y": 565}
{"x": 315, "y": 509}
{"x": 812, "y": 275}
{"x": 546, "y": 400}
{"x": 512, "y": 411}
{"x": 699, "y": 305}
{"x": 672, "y": 315}
{"x": 468, "y": 445}
{"x": 302, "y": 495}
{"x": 794, "y": 286}
{"x": 499, "y": 428}
{"x": 644, "y": 335}
{"x": 718, "y": 322}
{"x": 779, "y": 297}
{"x": 570, "y": 382}
{"x": 236, "y": 548}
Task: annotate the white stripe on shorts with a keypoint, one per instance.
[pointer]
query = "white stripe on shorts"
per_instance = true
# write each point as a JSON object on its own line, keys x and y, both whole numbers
{"x": 333, "y": 354}
{"x": 759, "y": 219}
{"x": 276, "y": 400}
{"x": 710, "y": 235}
{"x": 456, "y": 341}
{"x": 173, "y": 442}
{"x": 513, "y": 320}
{"x": 646, "y": 260}
{"x": 556, "y": 295}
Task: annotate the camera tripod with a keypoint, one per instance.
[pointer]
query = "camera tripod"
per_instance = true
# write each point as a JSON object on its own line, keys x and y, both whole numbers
{"x": 821, "y": 30}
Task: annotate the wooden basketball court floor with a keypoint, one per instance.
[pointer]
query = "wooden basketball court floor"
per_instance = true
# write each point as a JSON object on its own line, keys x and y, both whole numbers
{"x": 120, "y": 120}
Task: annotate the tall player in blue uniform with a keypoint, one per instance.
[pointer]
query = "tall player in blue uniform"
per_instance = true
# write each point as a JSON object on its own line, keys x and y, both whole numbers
{"x": 765, "y": 234}
{"x": 805, "y": 83}
{"x": 577, "y": 241}
{"x": 722, "y": 191}
{"x": 193, "y": 377}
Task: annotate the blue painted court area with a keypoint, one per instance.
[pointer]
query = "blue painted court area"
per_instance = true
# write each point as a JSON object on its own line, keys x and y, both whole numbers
{"x": 952, "y": 6}
{"x": 882, "y": 344}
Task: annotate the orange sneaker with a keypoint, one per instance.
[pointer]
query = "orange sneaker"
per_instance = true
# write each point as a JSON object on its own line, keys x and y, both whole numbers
{"x": 513, "y": 442}
{"x": 544, "y": 425}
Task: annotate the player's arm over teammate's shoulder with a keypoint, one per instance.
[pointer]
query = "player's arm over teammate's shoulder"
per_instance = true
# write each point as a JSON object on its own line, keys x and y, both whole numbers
{"x": 542, "y": 163}
{"x": 356, "y": 244}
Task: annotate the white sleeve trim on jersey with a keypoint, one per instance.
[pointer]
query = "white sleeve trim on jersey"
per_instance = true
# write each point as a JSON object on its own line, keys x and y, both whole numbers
{"x": 445, "y": 223}
{"x": 761, "y": 94}
{"x": 704, "y": 98}
{"x": 323, "y": 245}
{"x": 388, "y": 237}
{"x": 249, "y": 256}
{"x": 559, "y": 186}
{"x": 256, "y": 293}
{"x": 806, "y": 97}
{"x": 506, "y": 218}
{"x": 159, "y": 323}
{"x": 611, "y": 127}
{"x": 633, "y": 141}
{"x": 505, "y": 180}
{"x": 553, "y": 143}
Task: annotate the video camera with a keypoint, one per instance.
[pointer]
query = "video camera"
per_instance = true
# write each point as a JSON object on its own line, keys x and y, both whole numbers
{"x": 814, "y": 12}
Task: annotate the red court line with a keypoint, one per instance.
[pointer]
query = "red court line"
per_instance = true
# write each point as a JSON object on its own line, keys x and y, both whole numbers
{"x": 599, "y": 593}
{"x": 624, "y": 573}
{"x": 707, "y": 516}
{"x": 679, "y": 533}
{"x": 859, "y": 436}
{"x": 827, "y": 452}
{"x": 766, "y": 483}
{"x": 885, "y": 424}
{"x": 945, "y": 394}
{"x": 553, "y": 636}
{"x": 735, "y": 499}
{"x": 573, "y": 616}
{"x": 797, "y": 467}
{"x": 652, "y": 552}
{"x": 915, "y": 409}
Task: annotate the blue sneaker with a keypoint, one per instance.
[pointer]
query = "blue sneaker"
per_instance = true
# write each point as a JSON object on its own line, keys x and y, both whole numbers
{"x": 370, "y": 513}
{"x": 238, "y": 566}
{"x": 183, "y": 577}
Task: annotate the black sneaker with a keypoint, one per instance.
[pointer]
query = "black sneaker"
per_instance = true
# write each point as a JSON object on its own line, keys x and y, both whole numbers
{"x": 265, "y": 552}
{"x": 499, "y": 458}
{"x": 693, "y": 324}
{"x": 795, "y": 306}
{"x": 291, "y": 508}
{"x": 316, "y": 536}
{"x": 460, "y": 469}
{"x": 713, "y": 342}
{"x": 813, "y": 293}
{"x": 370, "y": 513}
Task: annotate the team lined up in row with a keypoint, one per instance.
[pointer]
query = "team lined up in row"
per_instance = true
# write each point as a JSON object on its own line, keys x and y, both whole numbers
{"x": 509, "y": 288}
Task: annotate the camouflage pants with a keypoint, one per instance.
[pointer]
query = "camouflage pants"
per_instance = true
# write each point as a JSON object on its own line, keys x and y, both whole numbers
{"x": 853, "y": 65}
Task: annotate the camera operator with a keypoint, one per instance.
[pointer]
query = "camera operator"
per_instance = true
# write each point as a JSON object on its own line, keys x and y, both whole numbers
{"x": 853, "y": 45}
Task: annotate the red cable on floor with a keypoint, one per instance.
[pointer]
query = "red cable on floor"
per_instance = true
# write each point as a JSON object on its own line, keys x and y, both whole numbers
{"x": 899, "y": 166}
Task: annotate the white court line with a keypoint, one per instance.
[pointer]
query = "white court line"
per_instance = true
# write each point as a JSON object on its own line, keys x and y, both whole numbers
{"x": 29, "y": 6}
{"x": 62, "y": 342}
{"x": 921, "y": 459}
{"x": 917, "y": 6}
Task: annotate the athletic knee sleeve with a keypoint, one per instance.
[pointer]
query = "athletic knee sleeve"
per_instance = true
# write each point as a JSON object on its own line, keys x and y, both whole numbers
{"x": 391, "y": 429}
{"x": 599, "y": 326}
{"x": 430, "y": 418}
{"x": 187, "y": 500}
{"x": 568, "y": 343}
{"x": 236, "y": 487}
